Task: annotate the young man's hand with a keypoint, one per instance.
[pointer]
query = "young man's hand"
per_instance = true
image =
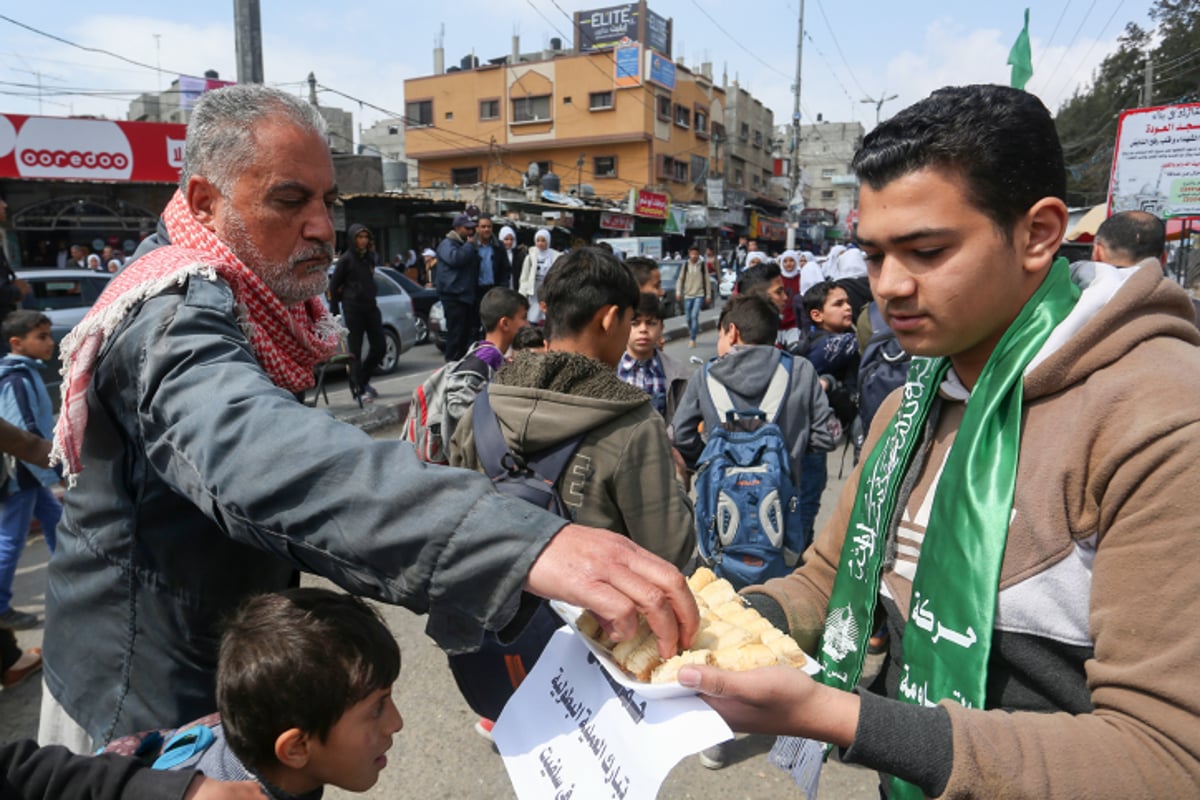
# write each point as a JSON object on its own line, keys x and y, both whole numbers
{"x": 205, "y": 788}
{"x": 617, "y": 580}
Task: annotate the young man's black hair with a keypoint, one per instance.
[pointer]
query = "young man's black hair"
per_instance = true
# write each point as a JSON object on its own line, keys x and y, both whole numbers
{"x": 19, "y": 323}
{"x": 1132, "y": 236}
{"x": 649, "y": 306}
{"x": 757, "y": 320}
{"x": 298, "y": 659}
{"x": 817, "y": 294}
{"x": 642, "y": 267}
{"x": 529, "y": 337}
{"x": 500, "y": 302}
{"x": 758, "y": 277}
{"x": 1001, "y": 141}
{"x": 581, "y": 283}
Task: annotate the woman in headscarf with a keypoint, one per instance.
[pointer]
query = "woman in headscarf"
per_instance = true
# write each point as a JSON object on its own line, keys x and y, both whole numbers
{"x": 514, "y": 252}
{"x": 789, "y": 270}
{"x": 94, "y": 263}
{"x": 537, "y": 264}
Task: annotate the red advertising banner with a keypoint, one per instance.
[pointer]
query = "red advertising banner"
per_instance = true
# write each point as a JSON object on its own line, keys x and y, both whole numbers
{"x": 616, "y": 222}
{"x": 652, "y": 204}
{"x": 67, "y": 148}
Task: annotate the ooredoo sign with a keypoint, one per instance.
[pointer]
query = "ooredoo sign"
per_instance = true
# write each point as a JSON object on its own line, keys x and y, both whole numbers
{"x": 58, "y": 148}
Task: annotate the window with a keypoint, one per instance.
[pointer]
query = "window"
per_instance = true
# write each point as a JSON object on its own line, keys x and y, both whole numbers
{"x": 489, "y": 109}
{"x": 672, "y": 169}
{"x": 827, "y": 173}
{"x": 699, "y": 168}
{"x": 544, "y": 168}
{"x": 604, "y": 166}
{"x": 739, "y": 178}
{"x": 827, "y": 194}
{"x": 683, "y": 117}
{"x": 745, "y": 133}
{"x": 464, "y": 176}
{"x": 718, "y": 132}
{"x": 757, "y": 182}
{"x": 663, "y": 108}
{"x": 449, "y": 115}
{"x": 700, "y": 116}
{"x": 758, "y": 138}
{"x": 418, "y": 113}
{"x": 531, "y": 109}
{"x": 600, "y": 101}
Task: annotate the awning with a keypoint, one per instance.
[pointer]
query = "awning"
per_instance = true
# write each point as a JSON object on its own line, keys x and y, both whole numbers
{"x": 1085, "y": 229}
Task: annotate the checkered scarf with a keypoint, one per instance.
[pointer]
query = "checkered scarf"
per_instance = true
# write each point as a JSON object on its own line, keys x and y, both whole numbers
{"x": 288, "y": 341}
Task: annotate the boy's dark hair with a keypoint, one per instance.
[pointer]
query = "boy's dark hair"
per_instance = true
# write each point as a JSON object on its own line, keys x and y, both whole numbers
{"x": 298, "y": 659}
{"x": 21, "y": 323}
{"x": 1136, "y": 234}
{"x": 581, "y": 283}
{"x": 606, "y": 247}
{"x": 757, "y": 318}
{"x": 649, "y": 306}
{"x": 817, "y": 294}
{"x": 500, "y": 302}
{"x": 641, "y": 267}
{"x": 758, "y": 278}
{"x": 1001, "y": 141}
{"x": 529, "y": 338}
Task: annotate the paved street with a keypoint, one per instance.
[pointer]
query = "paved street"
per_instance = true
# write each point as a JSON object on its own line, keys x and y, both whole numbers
{"x": 438, "y": 755}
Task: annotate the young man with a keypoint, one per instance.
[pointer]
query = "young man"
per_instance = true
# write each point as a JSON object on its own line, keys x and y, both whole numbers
{"x": 622, "y": 475}
{"x": 645, "y": 366}
{"x": 352, "y": 288}
{"x": 693, "y": 291}
{"x": 503, "y": 312}
{"x": 24, "y": 402}
{"x": 1032, "y": 549}
{"x": 647, "y": 274}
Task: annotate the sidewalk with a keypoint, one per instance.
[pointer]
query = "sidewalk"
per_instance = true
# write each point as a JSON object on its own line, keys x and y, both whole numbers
{"x": 391, "y": 407}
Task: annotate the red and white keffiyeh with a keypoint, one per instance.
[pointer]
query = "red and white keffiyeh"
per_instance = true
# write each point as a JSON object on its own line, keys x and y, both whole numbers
{"x": 289, "y": 341}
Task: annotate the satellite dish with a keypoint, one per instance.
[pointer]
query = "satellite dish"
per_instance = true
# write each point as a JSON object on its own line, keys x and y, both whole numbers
{"x": 533, "y": 172}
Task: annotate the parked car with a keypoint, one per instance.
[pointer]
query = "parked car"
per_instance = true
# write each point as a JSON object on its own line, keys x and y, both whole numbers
{"x": 437, "y": 325}
{"x": 63, "y": 295}
{"x": 399, "y": 322}
{"x": 669, "y": 270}
{"x": 423, "y": 298}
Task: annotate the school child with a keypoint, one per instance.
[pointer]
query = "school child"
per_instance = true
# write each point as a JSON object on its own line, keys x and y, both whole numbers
{"x": 528, "y": 338}
{"x": 24, "y": 402}
{"x": 304, "y": 691}
{"x": 647, "y": 274}
{"x": 647, "y": 367}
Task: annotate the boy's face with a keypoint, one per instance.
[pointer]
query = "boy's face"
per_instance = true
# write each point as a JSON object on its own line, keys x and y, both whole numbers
{"x": 510, "y": 325}
{"x": 644, "y": 335}
{"x": 353, "y": 753}
{"x": 836, "y": 316}
{"x": 945, "y": 277}
{"x": 776, "y": 294}
{"x": 38, "y": 343}
{"x": 653, "y": 284}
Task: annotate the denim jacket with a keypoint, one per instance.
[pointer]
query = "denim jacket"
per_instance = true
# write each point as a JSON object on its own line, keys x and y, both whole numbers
{"x": 204, "y": 483}
{"x": 25, "y": 371}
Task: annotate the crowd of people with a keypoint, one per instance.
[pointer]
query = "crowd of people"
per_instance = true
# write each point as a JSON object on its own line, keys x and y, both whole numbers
{"x": 1014, "y": 499}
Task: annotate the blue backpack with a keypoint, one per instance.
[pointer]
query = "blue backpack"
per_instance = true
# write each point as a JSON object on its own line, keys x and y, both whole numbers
{"x": 747, "y": 510}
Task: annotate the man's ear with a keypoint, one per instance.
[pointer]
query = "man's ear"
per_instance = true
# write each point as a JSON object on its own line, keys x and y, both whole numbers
{"x": 735, "y": 336}
{"x": 203, "y": 199}
{"x": 1046, "y": 224}
{"x": 291, "y": 748}
{"x": 608, "y": 317}
{"x": 1098, "y": 253}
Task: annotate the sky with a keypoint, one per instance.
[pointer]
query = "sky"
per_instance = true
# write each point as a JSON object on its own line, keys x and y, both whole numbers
{"x": 853, "y": 52}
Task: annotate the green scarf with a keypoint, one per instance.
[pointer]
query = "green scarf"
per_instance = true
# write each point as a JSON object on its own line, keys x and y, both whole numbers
{"x": 949, "y": 632}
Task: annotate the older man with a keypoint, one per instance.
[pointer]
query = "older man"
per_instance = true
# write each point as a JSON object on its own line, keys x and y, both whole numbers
{"x": 457, "y": 281}
{"x": 1128, "y": 238}
{"x": 199, "y": 479}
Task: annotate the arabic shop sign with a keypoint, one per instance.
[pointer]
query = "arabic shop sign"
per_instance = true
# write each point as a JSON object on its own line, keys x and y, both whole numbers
{"x": 616, "y": 222}
{"x": 602, "y": 28}
{"x": 1156, "y": 162}
{"x": 651, "y": 204}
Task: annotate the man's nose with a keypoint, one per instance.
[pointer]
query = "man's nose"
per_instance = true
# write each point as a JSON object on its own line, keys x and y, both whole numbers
{"x": 318, "y": 225}
{"x": 891, "y": 280}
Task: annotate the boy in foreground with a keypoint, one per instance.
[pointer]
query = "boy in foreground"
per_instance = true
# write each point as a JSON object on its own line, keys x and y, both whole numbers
{"x": 1011, "y": 541}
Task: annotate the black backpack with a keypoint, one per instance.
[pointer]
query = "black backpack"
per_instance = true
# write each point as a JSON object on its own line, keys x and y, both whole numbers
{"x": 488, "y": 677}
{"x": 882, "y": 369}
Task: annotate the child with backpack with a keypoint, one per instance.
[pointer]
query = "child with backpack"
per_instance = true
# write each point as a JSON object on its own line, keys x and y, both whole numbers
{"x": 619, "y": 473}
{"x": 751, "y": 376}
{"x": 441, "y": 400}
{"x": 24, "y": 402}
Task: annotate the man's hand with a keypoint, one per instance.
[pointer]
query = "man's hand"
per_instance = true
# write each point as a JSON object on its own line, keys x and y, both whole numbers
{"x": 616, "y": 580}
{"x": 776, "y": 700}
{"x": 204, "y": 788}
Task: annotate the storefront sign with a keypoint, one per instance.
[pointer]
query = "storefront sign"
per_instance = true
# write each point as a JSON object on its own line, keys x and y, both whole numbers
{"x": 658, "y": 33}
{"x": 1156, "y": 163}
{"x": 602, "y": 28}
{"x": 616, "y": 222}
{"x": 660, "y": 70}
{"x": 697, "y": 217}
{"x": 771, "y": 229}
{"x": 652, "y": 204}
{"x": 676, "y": 221}
{"x": 716, "y": 192}
{"x": 58, "y": 148}
{"x": 628, "y": 63}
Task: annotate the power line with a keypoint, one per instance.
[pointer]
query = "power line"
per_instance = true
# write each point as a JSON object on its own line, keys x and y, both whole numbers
{"x": 1058, "y": 22}
{"x": 729, "y": 36}
{"x": 1083, "y": 60}
{"x": 1067, "y": 49}
{"x": 833, "y": 36}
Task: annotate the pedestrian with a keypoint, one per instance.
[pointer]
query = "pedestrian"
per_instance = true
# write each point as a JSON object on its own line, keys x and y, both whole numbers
{"x": 514, "y": 256}
{"x": 352, "y": 288}
{"x": 533, "y": 272}
{"x": 199, "y": 480}
{"x": 693, "y": 290}
{"x": 457, "y": 280}
{"x": 645, "y": 365}
{"x": 428, "y": 267}
{"x": 494, "y": 268}
{"x": 1038, "y": 445}
{"x": 1129, "y": 237}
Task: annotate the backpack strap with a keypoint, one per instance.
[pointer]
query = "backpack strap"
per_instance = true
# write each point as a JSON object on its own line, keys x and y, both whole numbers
{"x": 772, "y": 400}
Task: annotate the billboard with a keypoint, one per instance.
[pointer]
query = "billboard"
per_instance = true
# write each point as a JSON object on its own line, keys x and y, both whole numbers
{"x": 652, "y": 204}
{"x": 660, "y": 70}
{"x": 69, "y": 148}
{"x": 627, "y": 64}
{"x": 1156, "y": 162}
{"x": 611, "y": 26}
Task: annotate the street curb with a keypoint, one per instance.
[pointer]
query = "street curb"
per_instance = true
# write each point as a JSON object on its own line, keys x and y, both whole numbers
{"x": 387, "y": 414}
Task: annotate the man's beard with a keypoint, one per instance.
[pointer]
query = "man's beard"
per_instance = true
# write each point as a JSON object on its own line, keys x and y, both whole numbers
{"x": 280, "y": 277}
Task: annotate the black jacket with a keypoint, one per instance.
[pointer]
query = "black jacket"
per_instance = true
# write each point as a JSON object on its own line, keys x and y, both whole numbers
{"x": 29, "y": 772}
{"x": 501, "y": 269}
{"x": 353, "y": 281}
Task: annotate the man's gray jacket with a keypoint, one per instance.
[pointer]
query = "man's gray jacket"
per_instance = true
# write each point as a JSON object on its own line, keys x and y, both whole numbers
{"x": 204, "y": 483}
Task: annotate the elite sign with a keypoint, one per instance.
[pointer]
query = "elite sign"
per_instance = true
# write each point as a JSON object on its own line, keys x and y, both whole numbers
{"x": 68, "y": 148}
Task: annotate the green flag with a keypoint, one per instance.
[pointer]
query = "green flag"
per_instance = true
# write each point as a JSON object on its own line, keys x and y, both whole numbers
{"x": 1020, "y": 58}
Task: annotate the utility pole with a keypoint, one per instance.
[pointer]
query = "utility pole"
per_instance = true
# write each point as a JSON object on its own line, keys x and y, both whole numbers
{"x": 247, "y": 26}
{"x": 883, "y": 98}
{"x": 1148, "y": 85}
{"x": 794, "y": 183}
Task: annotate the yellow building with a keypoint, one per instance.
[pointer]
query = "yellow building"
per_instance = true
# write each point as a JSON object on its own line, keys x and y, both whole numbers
{"x": 569, "y": 113}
